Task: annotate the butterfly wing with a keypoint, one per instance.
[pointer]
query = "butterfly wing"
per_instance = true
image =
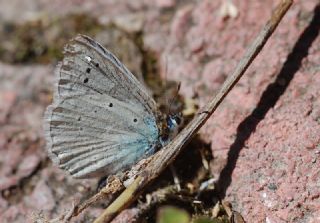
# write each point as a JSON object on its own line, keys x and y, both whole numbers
{"x": 102, "y": 119}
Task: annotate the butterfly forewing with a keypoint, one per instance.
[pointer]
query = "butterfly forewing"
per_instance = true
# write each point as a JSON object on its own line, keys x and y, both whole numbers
{"x": 102, "y": 119}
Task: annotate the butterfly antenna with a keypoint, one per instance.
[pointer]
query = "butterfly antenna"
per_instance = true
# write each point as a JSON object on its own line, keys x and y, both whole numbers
{"x": 175, "y": 95}
{"x": 169, "y": 102}
{"x": 167, "y": 108}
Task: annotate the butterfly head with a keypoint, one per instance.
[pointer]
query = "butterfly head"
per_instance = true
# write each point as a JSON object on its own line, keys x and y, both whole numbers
{"x": 173, "y": 122}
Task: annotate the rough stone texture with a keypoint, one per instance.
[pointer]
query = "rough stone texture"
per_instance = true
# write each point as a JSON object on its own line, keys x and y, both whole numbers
{"x": 265, "y": 137}
{"x": 268, "y": 128}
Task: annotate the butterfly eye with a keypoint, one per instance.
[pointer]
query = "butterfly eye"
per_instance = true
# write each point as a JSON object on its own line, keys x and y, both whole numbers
{"x": 88, "y": 70}
{"x": 135, "y": 120}
{"x": 110, "y": 105}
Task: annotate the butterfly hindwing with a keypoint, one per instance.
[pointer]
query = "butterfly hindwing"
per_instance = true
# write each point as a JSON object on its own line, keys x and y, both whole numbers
{"x": 102, "y": 119}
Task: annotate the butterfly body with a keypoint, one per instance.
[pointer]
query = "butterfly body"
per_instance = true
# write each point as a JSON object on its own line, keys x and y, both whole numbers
{"x": 102, "y": 119}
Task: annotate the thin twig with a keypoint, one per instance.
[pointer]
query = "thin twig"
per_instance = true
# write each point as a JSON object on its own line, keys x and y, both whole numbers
{"x": 112, "y": 188}
{"x": 147, "y": 170}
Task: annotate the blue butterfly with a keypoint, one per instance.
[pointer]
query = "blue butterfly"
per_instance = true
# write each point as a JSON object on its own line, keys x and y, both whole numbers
{"x": 102, "y": 119}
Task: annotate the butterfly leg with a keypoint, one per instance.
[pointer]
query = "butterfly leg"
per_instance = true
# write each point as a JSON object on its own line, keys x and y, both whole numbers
{"x": 175, "y": 177}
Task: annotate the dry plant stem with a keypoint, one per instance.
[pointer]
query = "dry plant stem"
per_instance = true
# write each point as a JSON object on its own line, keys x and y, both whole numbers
{"x": 165, "y": 156}
{"x": 106, "y": 193}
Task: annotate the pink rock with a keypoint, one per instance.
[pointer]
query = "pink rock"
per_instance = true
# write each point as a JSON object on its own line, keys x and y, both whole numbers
{"x": 11, "y": 213}
{"x": 3, "y": 205}
{"x": 165, "y": 3}
{"x": 11, "y": 157}
{"x": 180, "y": 24}
{"x": 28, "y": 165}
{"x": 7, "y": 99}
{"x": 17, "y": 213}
{"x": 126, "y": 216}
{"x": 7, "y": 182}
{"x": 212, "y": 73}
{"x": 41, "y": 198}
{"x": 277, "y": 149}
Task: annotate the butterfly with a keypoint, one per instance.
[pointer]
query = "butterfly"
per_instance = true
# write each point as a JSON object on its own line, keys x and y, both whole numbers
{"x": 102, "y": 119}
